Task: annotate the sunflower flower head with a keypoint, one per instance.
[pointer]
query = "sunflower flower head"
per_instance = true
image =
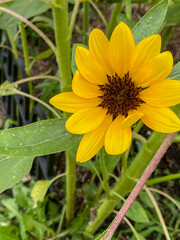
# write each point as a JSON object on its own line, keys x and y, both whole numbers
{"x": 116, "y": 84}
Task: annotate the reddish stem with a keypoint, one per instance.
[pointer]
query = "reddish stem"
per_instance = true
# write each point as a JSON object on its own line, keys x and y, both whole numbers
{"x": 147, "y": 173}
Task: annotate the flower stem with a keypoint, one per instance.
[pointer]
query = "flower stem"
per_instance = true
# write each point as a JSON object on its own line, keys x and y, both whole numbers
{"x": 85, "y": 21}
{"x": 147, "y": 173}
{"x": 63, "y": 56}
{"x": 112, "y": 23}
{"x": 104, "y": 172}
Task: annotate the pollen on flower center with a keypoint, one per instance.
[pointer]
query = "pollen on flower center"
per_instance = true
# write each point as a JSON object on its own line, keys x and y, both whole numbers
{"x": 120, "y": 95}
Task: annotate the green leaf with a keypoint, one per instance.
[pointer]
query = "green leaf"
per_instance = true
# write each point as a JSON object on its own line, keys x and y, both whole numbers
{"x": 175, "y": 74}
{"x": 137, "y": 213}
{"x": 33, "y": 225}
{"x": 151, "y": 22}
{"x": 44, "y": 55}
{"x": 13, "y": 169}
{"x": 36, "y": 139}
{"x": 173, "y": 15}
{"x": 73, "y": 63}
{"x": 123, "y": 18}
{"x": 11, "y": 205}
{"x": 39, "y": 190}
{"x": 27, "y": 9}
{"x": 6, "y": 89}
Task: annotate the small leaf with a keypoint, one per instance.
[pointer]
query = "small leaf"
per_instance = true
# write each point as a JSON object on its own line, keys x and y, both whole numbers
{"x": 137, "y": 213}
{"x": 13, "y": 169}
{"x": 6, "y": 89}
{"x": 39, "y": 190}
{"x": 44, "y": 55}
{"x": 175, "y": 74}
{"x": 36, "y": 139}
{"x": 151, "y": 22}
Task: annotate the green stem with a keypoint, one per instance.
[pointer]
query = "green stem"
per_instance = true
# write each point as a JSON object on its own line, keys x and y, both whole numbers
{"x": 73, "y": 18}
{"x": 64, "y": 63}
{"x": 70, "y": 187}
{"x": 126, "y": 182}
{"x": 27, "y": 62}
{"x": 138, "y": 126}
{"x": 139, "y": 137}
{"x": 104, "y": 172}
{"x": 124, "y": 162}
{"x": 63, "y": 54}
{"x": 85, "y": 21}
{"x": 128, "y": 9}
{"x": 112, "y": 23}
{"x": 163, "y": 179}
{"x": 99, "y": 13}
{"x": 15, "y": 52}
{"x": 30, "y": 79}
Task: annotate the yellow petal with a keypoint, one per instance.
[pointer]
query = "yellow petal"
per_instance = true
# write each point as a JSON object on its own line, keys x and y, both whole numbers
{"x": 70, "y": 102}
{"x": 160, "y": 119}
{"x": 121, "y": 45}
{"x": 88, "y": 68}
{"x": 99, "y": 48}
{"x": 157, "y": 70}
{"x": 117, "y": 139}
{"x": 133, "y": 116}
{"x": 143, "y": 53}
{"x": 92, "y": 142}
{"x": 163, "y": 94}
{"x": 84, "y": 88}
{"x": 85, "y": 120}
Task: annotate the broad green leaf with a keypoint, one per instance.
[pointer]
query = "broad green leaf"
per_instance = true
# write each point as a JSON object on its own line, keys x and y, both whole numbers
{"x": 137, "y": 213}
{"x": 39, "y": 190}
{"x": 175, "y": 74}
{"x": 151, "y": 22}
{"x": 36, "y": 139}
{"x": 25, "y": 8}
{"x": 13, "y": 169}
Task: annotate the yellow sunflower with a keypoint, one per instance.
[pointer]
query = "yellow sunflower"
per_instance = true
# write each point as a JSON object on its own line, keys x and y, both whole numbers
{"x": 116, "y": 84}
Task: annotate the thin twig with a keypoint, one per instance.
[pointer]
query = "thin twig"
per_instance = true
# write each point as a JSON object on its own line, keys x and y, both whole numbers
{"x": 38, "y": 100}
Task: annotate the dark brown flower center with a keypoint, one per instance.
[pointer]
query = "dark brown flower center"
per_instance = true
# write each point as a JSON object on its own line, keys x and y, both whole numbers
{"x": 120, "y": 95}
